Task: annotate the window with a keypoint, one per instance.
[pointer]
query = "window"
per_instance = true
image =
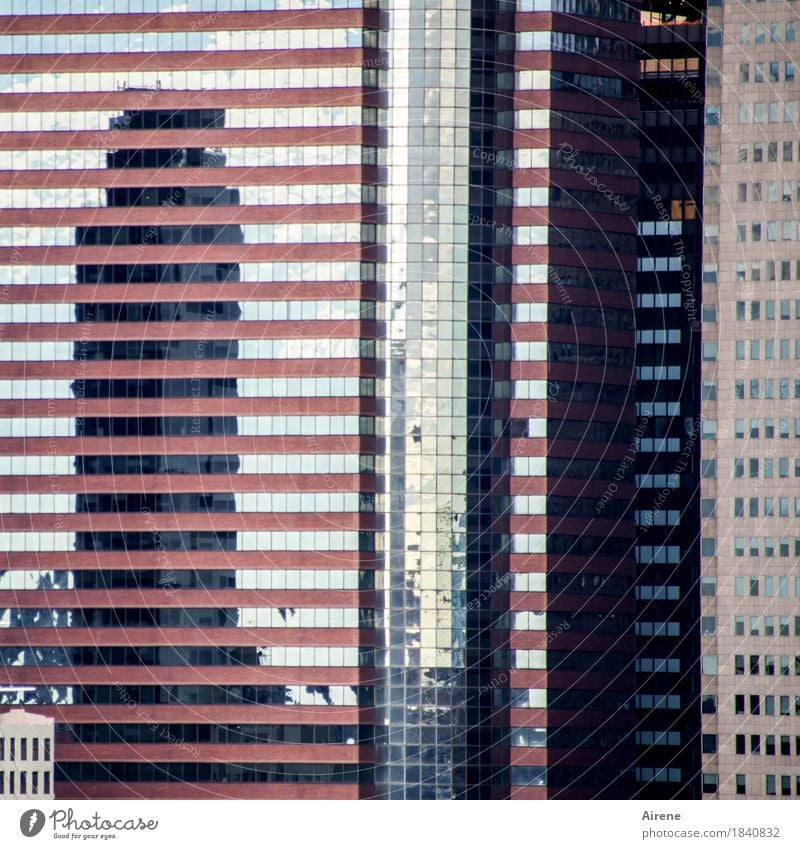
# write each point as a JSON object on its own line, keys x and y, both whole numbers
{"x": 709, "y": 665}
{"x": 709, "y": 744}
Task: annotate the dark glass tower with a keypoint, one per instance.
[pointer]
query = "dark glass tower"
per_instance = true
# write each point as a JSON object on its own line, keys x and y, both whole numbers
{"x": 668, "y": 304}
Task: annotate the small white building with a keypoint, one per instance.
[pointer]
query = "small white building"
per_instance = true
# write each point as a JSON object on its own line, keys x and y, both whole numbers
{"x": 26, "y": 755}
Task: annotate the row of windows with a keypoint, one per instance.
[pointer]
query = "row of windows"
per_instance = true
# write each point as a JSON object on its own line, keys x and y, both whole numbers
{"x": 188, "y": 617}
{"x": 558, "y": 738}
{"x": 657, "y": 665}
{"x": 245, "y": 272}
{"x": 781, "y": 666}
{"x": 773, "y": 33}
{"x": 658, "y": 337}
{"x": 660, "y": 775}
{"x": 652, "y": 701}
{"x": 187, "y": 425}
{"x": 323, "y": 656}
{"x": 561, "y": 699}
{"x": 10, "y": 751}
{"x": 39, "y": 313}
{"x": 647, "y": 592}
{"x": 661, "y": 300}
{"x": 580, "y": 431}
{"x": 25, "y": 8}
{"x": 561, "y": 197}
{"x": 98, "y": 158}
{"x": 771, "y": 192}
{"x": 191, "y": 541}
{"x": 200, "y": 773}
{"x": 769, "y": 704}
{"x": 247, "y": 349}
{"x": 752, "y": 428}
{"x": 595, "y": 125}
{"x": 772, "y": 507}
{"x": 177, "y": 41}
{"x": 189, "y": 197}
{"x": 24, "y": 782}
{"x": 658, "y": 738}
{"x": 245, "y": 387}
{"x": 569, "y": 42}
{"x": 773, "y": 112}
{"x": 223, "y": 80}
{"x": 198, "y": 464}
{"x": 520, "y": 659}
{"x": 773, "y": 626}
{"x": 523, "y": 620}
{"x": 769, "y": 231}
{"x": 523, "y": 389}
{"x": 597, "y": 279}
{"x": 773, "y": 585}
{"x": 572, "y": 584}
{"x": 773, "y": 72}
{"x": 757, "y": 152}
{"x": 659, "y": 373}
{"x": 172, "y": 579}
{"x": 254, "y": 118}
{"x": 586, "y": 316}
{"x": 529, "y": 312}
{"x": 671, "y": 481}
{"x": 766, "y": 388}
{"x": 599, "y": 86}
{"x": 783, "y": 311}
{"x": 661, "y": 263}
{"x": 608, "y": 9}
{"x": 657, "y": 629}
{"x": 202, "y": 733}
{"x": 320, "y": 695}
{"x": 240, "y": 502}
{"x": 659, "y": 445}
{"x": 769, "y": 546}
{"x": 769, "y": 467}
{"x": 570, "y": 159}
{"x": 564, "y": 352}
{"x": 774, "y": 746}
{"x": 710, "y": 784}
{"x": 221, "y": 234}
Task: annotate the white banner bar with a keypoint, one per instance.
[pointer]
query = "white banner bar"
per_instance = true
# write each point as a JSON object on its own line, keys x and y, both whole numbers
{"x": 410, "y": 825}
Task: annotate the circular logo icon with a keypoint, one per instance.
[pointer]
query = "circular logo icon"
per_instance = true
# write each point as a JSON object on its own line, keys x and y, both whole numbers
{"x": 31, "y": 822}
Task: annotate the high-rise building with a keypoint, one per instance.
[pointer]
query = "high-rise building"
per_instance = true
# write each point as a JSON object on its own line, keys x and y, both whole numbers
{"x": 26, "y": 755}
{"x": 189, "y": 249}
{"x": 317, "y": 410}
{"x": 751, "y": 387}
{"x": 668, "y": 392}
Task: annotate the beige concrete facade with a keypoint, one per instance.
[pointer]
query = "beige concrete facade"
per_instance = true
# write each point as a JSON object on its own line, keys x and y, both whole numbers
{"x": 26, "y": 756}
{"x": 752, "y": 247}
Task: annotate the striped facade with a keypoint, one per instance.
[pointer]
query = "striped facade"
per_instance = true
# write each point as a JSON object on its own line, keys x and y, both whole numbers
{"x": 316, "y": 398}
